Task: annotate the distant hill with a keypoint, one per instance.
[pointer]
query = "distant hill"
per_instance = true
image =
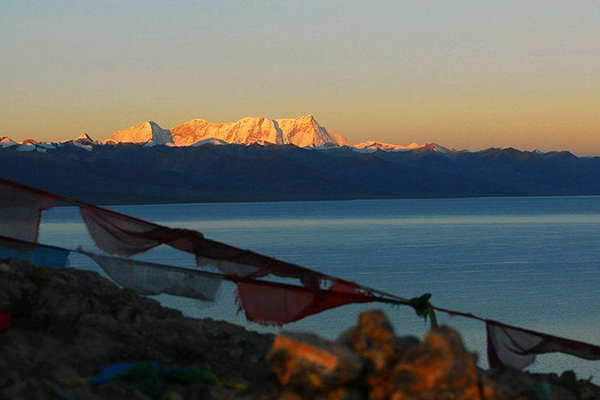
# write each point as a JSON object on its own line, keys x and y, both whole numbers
{"x": 214, "y": 171}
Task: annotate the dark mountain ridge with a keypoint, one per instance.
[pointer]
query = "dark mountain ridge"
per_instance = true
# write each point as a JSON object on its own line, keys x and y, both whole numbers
{"x": 133, "y": 174}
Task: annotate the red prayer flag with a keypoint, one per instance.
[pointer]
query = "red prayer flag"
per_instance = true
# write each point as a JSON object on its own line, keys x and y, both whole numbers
{"x": 120, "y": 234}
{"x": 272, "y": 303}
{"x": 21, "y": 210}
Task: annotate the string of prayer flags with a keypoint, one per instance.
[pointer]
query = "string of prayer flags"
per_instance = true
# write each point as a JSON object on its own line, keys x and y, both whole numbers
{"x": 268, "y": 303}
{"x": 123, "y": 235}
{"x": 265, "y": 302}
{"x": 120, "y": 234}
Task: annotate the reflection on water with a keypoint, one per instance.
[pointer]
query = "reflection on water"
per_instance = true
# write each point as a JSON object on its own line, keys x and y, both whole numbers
{"x": 533, "y": 262}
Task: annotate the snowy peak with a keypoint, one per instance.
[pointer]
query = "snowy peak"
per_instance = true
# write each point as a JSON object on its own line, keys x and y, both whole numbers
{"x": 245, "y": 131}
{"x": 6, "y": 142}
{"x": 84, "y": 137}
{"x": 306, "y": 132}
{"x": 47, "y": 145}
{"x": 144, "y": 132}
{"x": 30, "y": 145}
{"x": 373, "y": 145}
{"x": 29, "y": 142}
{"x": 83, "y": 141}
{"x": 302, "y": 131}
{"x": 436, "y": 148}
{"x": 213, "y": 141}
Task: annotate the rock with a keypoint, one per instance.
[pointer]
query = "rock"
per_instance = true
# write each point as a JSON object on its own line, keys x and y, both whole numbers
{"x": 343, "y": 393}
{"x": 294, "y": 393}
{"x": 580, "y": 388}
{"x": 407, "y": 342}
{"x": 312, "y": 363}
{"x": 69, "y": 324}
{"x": 441, "y": 367}
{"x": 404, "y": 369}
{"x": 289, "y": 394}
{"x": 374, "y": 339}
{"x": 512, "y": 384}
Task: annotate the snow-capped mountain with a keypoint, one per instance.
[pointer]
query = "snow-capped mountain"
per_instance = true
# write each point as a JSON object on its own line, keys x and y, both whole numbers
{"x": 30, "y": 145}
{"x": 84, "y": 141}
{"x": 302, "y": 131}
{"x": 436, "y": 148}
{"x": 372, "y": 145}
{"x": 144, "y": 132}
{"x": 85, "y": 138}
{"x": 47, "y": 145}
{"x": 213, "y": 141}
{"x": 25, "y": 145}
{"x": 7, "y": 142}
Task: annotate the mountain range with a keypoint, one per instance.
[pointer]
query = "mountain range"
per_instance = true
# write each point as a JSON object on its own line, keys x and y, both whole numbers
{"x": 302, "y": 131}
{"x": 257, "y": 159}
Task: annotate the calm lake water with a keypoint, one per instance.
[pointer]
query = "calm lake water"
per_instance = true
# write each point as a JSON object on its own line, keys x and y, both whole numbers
{"x": 532, "y": 262}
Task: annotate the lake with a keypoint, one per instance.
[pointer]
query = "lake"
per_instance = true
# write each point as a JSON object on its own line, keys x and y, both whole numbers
{"x": 531, "y": 262}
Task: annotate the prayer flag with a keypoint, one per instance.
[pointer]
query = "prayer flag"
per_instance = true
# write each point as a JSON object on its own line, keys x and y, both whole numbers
{"x": 21, "y": 209}
{"x": 271, "y": 303}
{"x": 510, "y": 346}
{"x": 151, "y": 279}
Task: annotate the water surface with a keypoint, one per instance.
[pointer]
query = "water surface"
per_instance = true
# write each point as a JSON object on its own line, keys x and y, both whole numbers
{"x": 532, "y": 262}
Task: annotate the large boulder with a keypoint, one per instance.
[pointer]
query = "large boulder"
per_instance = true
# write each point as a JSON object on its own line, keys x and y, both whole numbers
{"x": 311, "y": 363}
{"x": 441, "y": 367}
{"x": 374, "y": 339}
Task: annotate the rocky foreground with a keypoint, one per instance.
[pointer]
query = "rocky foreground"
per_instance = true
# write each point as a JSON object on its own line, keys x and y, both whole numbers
{"x": 66, "y": 326}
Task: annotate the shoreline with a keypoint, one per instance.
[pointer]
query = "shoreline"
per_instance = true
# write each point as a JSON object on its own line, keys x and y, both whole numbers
{"x": 348, "y": 200}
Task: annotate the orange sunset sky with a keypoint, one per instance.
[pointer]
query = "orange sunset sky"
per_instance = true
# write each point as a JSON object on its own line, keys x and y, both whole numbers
{"x": 468, "y": 74}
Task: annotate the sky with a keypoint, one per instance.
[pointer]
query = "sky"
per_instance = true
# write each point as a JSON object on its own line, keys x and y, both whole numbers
{"x": 467, "y": 74}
